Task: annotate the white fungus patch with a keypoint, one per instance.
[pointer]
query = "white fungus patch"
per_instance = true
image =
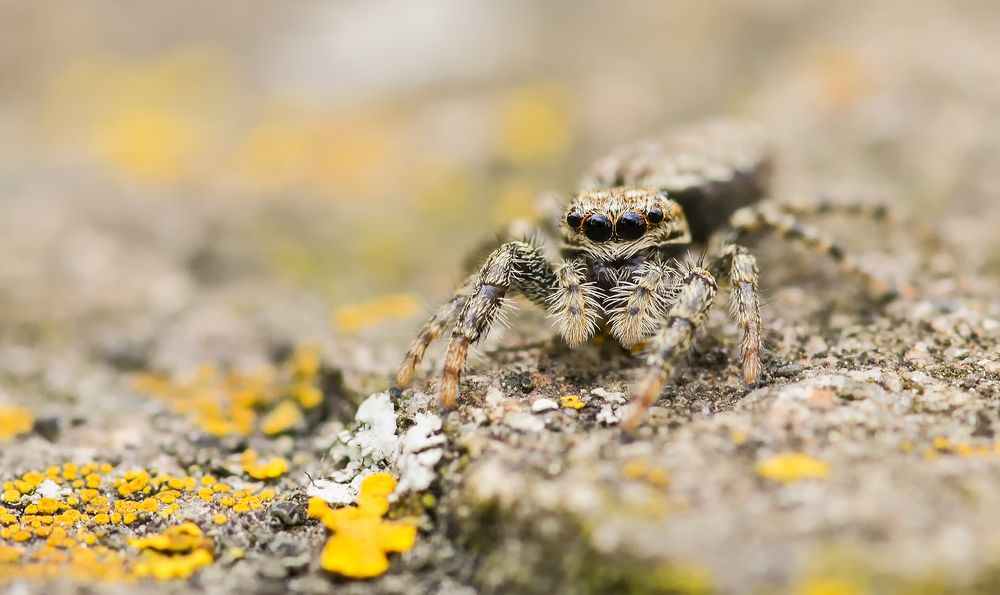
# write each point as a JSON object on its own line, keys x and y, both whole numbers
{"x": 420, "y": 450}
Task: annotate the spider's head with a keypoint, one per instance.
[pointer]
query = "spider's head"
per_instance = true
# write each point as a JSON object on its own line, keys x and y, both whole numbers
{"x": 618, "y": 223}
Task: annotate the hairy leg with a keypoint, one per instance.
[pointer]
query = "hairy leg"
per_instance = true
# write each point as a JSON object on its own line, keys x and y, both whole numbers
{"x": 744, "y": 306}
{"x": 514, "y": 266}
{"x": 444, "y": 317}
{"x": 687, "y": 314}
{"x": 768, "y": 216}
{"x": 573, "y": 305}
{"x": 877, "y": 211}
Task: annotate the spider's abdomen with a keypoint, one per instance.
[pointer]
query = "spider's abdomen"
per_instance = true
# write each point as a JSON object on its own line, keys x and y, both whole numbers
{"x": 711, "y": 169}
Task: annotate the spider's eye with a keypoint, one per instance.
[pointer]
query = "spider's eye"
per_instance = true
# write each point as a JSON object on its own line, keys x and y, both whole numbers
{"x": 573, "y": 219}
{"x": 631, "y": 226}
{"x": 597, "y": 227}
{"x": 655, "y": 215}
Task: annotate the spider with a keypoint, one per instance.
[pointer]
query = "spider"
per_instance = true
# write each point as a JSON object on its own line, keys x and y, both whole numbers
{"x": 622, "y": 266}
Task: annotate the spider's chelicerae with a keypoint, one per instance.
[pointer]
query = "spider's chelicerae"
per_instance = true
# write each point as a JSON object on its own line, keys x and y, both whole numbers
{"x": 622, "y": 268}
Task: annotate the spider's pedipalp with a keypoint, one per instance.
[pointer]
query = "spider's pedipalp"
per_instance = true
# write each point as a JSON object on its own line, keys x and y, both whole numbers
{"x": 638, "y": 306}
{"x": 694, "y": 299}
{"x": 574, "y": 306}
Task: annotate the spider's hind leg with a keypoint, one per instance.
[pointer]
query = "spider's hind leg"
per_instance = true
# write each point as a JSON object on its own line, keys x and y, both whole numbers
{"x": 769, "y": 216}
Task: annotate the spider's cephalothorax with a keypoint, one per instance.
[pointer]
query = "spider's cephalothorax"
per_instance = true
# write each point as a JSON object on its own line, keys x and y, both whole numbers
{"x": 622, "y": 238}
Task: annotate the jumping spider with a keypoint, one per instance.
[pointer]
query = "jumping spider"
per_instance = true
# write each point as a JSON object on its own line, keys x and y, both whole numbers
{"x": 622, "y": 266}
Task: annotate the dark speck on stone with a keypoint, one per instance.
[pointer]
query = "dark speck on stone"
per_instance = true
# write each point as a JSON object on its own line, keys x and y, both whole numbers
{"x": 48, "y": 428}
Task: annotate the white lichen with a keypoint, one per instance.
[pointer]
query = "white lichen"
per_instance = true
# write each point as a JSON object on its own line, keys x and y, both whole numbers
{"x": 612, "y": 397}
{"x": 49, "y": 489}
{"x": 607, "y": 415}
{"x": 371, "y": 446}
{"x": 420, "y": 450}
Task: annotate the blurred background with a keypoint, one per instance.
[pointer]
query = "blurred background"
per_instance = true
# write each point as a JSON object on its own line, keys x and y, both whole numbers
{"x": 355, "y": 150}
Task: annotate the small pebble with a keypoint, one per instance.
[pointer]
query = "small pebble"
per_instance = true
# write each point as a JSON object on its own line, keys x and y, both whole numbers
{"x": 542, "y": 405}
{"x": 788, "y": 370}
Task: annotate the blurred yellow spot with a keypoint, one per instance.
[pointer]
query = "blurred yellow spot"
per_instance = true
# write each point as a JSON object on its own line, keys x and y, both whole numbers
{"x": 272, "y": 469}
{"x": 572, "y": 402}
{"x": 640, "y": 470}
{"x": 15, "y": 421}
{"x": 842, "y": 79}
{"x": 146, "y": 120}
{"x": 148, "y": 142}
{"x": 9, "y": 555}
{"x": 277, "y": 153}
{"x": 353, "y": 318}
{"x": 225, "y": 402}
{"x": 792, "y": 467}
{"x": 282, "y": 418}
{"x": 219, "y": 519}
{"x": 830, "y": 586}
{"x": 361, "y": 537}
{"x": 534, "y": 124}
{"x": 514, "y": 200}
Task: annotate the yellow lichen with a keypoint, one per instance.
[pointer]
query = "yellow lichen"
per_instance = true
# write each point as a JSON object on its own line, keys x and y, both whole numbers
{"x": 64, "y": 536}
{"x": 533, "y": 124}
{"x": 177, "y": 552}
{"x": 361, "y": 537}
{"x": 281, "y": 419}
{"x": 830, "y": 586}
{"x": 15, "y": 421}
{"x": 638, "y": 469}
{"x": 792, "y": 467}
{"x": 356, "y": 317}
{"x": 9, "y": 554}
{"x": 572, "y": 402}
{"x": 232, "y": 402}
{"x": 269, "y": 470}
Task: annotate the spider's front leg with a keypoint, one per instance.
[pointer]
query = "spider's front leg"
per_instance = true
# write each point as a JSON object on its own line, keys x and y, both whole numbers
{"x": 736, "y": 262}
{"x": 694, "y": 299}
{"x": 514, "y": 266}
{"x": 434, "y": 326}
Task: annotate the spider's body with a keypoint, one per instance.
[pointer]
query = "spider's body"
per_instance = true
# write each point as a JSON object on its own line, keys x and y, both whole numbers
{"x": 622, "y": 237}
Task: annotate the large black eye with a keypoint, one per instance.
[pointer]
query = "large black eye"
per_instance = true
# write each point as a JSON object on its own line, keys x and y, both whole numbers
{"x": 630, "y": 226}
{"x": 655, "y": 215}
{"x": 598, "y": 227}
{"x": 573, "y": 219}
